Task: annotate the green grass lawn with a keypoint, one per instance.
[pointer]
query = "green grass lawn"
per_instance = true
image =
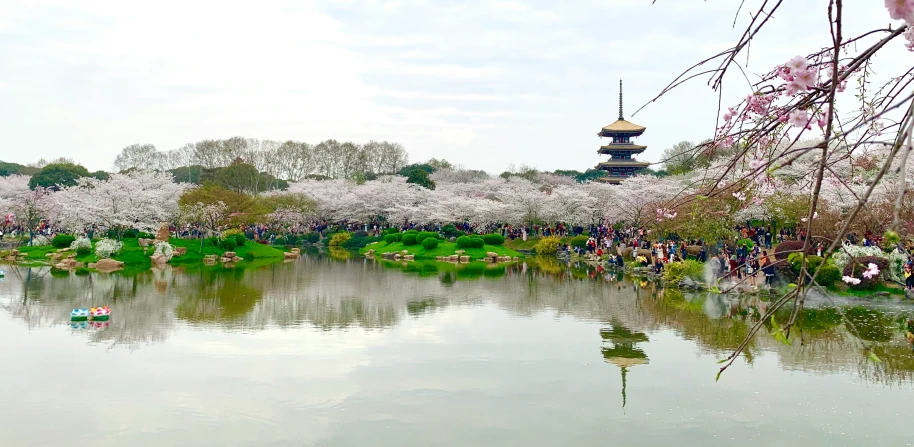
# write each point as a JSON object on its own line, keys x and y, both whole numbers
{"x": 134, "y": 255}
{"x": 443, "y": 249}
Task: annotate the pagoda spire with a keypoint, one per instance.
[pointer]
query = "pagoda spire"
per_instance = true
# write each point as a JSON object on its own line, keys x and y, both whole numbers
{"x": 620, "y": 100}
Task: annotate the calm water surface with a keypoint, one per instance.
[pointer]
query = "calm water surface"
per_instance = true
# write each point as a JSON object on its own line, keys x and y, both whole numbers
{"x": 357, "y": 353}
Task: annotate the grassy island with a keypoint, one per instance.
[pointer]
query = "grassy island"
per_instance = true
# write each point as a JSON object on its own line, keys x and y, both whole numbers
{"x": 132, "y": 254}
{"x": 443, "y": 249}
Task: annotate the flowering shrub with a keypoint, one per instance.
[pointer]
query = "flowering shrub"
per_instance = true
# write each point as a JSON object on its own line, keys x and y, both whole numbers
{"x": 39, "y": 240}
{"x": 338, "y": 239}
{"x": 166, "y": 249}
{"x": 82, "y": 246}
{"x": 896, "y": 259}
{"x": 547, "y": 245}
{"x": 105, "y": 248}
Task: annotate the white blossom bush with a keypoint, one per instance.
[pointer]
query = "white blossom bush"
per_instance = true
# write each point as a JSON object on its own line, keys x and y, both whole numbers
{"x": 843, "y": 256}
{"x": 81, "y": 245}
{"x": 105, "y": 248}
{"x": 897, "y": 259}
{"x": 166, "y": 249}
{"x": 39, "y": 240}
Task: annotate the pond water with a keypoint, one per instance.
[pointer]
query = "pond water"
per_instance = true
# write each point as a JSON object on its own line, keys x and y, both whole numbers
{"x": 356, "y": 352}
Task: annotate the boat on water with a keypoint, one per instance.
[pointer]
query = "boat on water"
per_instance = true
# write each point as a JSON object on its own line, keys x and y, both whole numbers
{"x": 100, "y": 313}
{"x": 79, "y": 314}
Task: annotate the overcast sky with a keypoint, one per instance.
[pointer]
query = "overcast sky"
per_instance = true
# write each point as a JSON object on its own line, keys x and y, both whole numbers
{"x": 481, "y": 83}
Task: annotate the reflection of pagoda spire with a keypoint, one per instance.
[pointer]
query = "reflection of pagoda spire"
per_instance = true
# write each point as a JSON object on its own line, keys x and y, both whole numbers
{"x": 622, "y": 351}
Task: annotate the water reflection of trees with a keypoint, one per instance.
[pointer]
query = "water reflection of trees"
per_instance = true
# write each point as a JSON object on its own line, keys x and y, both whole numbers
{"x": 332, "y": 294}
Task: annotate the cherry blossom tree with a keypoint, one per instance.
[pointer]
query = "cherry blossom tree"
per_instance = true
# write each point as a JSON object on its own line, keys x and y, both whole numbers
{"x": 769, "y": 130}
{"x": 140, "y": 200}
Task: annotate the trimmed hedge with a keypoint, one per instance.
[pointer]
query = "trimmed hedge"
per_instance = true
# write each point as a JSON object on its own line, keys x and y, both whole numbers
{"x": 63, "y": 240}
{"x": 228, "y": 243}
{"x": 360, "y": 234}
{"x": 429, "y": 243}
{"x": 579, "y": 241}
{"x": 425, "y": 235}
{"x": 391, "y": 238}
{"x": 409, "y": 239}
{"x": 493, "y": 239}
{"x": 783, "y": 250}
{"x": 464, "y": 242}
{"x": 856, "y": 267}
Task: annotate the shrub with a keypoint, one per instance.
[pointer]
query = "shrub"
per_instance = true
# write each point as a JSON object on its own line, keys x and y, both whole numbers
{"x": 464, "y": 242}
{"x": 63, "y": 240}
{"x": 674, "y": 272}
{"x": 105, "y": 248}
{"x": 236, "y": 235}
{"x": 411, "y": 232}
{"x": 39, "y": 240}
{"x": 747, "y": 243}
{"x": 82, "y": 246}
{"x": 311, "y": 238}
{"x": 429, "y": 243}
{"x": 356, "y": 243}
{"x": 143, "y": 235}
{"x": 339, "y": 239}
{"x": 360, "y": 234}
{"x": 409, "y": 239}
{"x": 857, "y": 267}
{"x": 783, "y": 250}
{"x": 477, "y": 242}
{"x": 214, "y": 241}
{"x": 450, "y": 231}
{"x": 391, "y": 231}
{"x": 548, "y": 245}
{"x": 493, "y": 239}
{"x": 579, "y": 241}
{"x": 796, "y": 261}
{"x": 828, "y": 275}
{"x": 166, "y": 249}
{"x": 129, "y": 234}
{"x": 391, "y": 238}
{"x": 226, "y": 244}
{"x": 425, "y": 235}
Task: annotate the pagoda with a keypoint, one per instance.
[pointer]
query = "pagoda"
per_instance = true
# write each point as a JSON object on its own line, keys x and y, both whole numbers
{"x": 621, "y": 149}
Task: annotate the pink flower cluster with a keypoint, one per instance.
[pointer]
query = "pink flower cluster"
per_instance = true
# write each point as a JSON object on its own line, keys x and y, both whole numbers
{"x": 799, "y": 75}
{"x": 903, "y": 10}
{"x": 665, "y": 213}
{"x": 871, "y": 271}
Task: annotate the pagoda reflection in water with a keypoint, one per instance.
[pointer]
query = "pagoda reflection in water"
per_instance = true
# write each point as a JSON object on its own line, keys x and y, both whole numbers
{"x": 621, "y": 350}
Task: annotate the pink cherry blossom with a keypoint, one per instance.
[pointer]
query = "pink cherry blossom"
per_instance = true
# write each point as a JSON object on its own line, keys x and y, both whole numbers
{"x": 851, "y": 280}
{"x": 799, "y": 118}
{"x": 806, "y": 77}
{"x": 871, "y": 271}
{"x": 909, "y": 35}
{"x": 797, "y": 63}
{"x": 901, "y": 10}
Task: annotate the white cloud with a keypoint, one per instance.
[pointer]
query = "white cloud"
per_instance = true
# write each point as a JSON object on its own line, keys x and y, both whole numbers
{"x": 485, "y": 84}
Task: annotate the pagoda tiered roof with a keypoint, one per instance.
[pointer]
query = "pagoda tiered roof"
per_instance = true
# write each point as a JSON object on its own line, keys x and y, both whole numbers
{"x": 611, "y": 163}
{"x": 621, "y": 126}
{"x": 621, "y": 147}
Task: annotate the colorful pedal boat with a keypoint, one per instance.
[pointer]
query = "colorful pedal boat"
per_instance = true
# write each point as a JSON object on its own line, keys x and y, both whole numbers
{"x": 100, "y": 313}
{"x": 79, "y": 314}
